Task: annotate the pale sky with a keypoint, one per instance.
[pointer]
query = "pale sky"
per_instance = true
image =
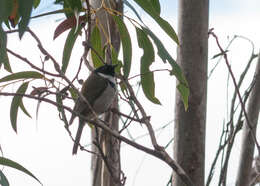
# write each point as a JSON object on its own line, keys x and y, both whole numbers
{"x": 44, "y": 147}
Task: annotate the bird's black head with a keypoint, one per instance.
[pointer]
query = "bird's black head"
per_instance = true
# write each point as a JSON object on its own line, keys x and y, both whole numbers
{"x": 106, "y": 69}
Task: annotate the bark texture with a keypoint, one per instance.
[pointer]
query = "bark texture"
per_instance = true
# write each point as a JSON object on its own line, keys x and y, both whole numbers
{"x": 244, "y": 177}
{"x": 192, "y": 56}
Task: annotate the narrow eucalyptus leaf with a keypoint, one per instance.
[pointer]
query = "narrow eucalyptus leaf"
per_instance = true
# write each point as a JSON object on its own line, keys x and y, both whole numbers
{"x": 17, "y": 166}
{"x": 24, "y": 110}
{"x": 67, "y": 50}
{"x": 3, "y": 52}
{"x": 97, "y": 46}
{"x": 162, "y": 23}
{"x": 16, "y": 102}
{"x": 3, "y": 179}
{"x": 156, "y": 5}
{"x": 22, "y": 75}
{"x": 126, "y": 45}
{"x": 184, "y": 92}
{"x": 147, "y": 78}
{"x": 24, "y": 10}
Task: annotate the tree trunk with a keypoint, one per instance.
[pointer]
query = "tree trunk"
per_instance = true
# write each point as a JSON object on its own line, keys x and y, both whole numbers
{"x": 192, "y": 56}
{"x": 101, "y": 174}
{"x": 247, "y": 147}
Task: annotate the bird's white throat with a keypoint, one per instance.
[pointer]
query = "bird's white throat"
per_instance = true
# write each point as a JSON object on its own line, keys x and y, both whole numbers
{"x": 108, "y": 77}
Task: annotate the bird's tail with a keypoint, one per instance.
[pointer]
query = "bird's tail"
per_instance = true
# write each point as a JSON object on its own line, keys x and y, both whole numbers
{"x": 78, "y": 136}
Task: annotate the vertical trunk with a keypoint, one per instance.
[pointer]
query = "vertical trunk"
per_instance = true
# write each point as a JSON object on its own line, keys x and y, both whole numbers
{"x": 247, "y": 147}
{"x": 101, "y": 175}
{"x": 189, "y": 131}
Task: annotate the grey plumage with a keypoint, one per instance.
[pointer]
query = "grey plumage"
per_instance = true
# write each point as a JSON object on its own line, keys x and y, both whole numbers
{"x": 99, "y": 91}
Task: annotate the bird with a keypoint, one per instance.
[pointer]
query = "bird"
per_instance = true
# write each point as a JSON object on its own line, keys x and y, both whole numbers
{"x": 99, "y": 91}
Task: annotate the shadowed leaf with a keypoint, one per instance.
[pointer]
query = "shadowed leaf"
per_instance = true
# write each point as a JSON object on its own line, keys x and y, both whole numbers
{"x": 3, "y": 179}
{"x": 126, "y": 45}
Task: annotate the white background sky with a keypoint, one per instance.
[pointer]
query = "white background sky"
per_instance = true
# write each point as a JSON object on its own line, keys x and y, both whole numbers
{"x": 44, "y": 146}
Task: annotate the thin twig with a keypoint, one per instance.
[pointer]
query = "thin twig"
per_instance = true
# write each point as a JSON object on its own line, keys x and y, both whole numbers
{"x": 237, "y": 91}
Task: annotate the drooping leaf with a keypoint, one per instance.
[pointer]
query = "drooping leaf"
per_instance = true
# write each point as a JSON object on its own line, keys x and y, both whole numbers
{"x": 22, "y": 75}
{"x": 176, "y": 70}
{"x": 97, "y": 46}
{"x": 24, "y": 9}
{"x": 147, "y": 78}
{"x": 154, "y": 14}
{"x": 16, "y": 102}
{"x": 70, "y": 41}
{"x": 3, "y": 179}
{"x": 15, "y": 165}
{"x": 126, "y": 45}
{"x": 67, "y": 24}
{"x": 24, "y": 109}
{"x": 5, "y": 9}
{"x": 185, "y": 93}
{"x": 3, "y": 53}
{"x": 133, "y": 9}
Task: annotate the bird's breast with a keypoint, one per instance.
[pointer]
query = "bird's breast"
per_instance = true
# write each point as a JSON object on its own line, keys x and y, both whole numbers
{"x": 104, "y": 101}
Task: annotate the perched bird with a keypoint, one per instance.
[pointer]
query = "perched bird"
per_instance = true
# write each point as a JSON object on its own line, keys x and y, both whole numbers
{"x": 99, "y": 91}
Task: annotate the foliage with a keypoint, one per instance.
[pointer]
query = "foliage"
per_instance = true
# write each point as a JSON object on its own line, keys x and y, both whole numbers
{"x": 17, "y": 13}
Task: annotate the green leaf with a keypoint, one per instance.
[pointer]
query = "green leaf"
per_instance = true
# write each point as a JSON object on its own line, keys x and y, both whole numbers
{"x": 3, "y": 179}
{"x": 97, "y": 46}
{"x": 70, "y": 41}
{"x": 176, "y": 70}
{"x": 24, "y": 109}
{"x": 36, "y": 3}
{"x": 133, "y": 9}
{"x": 5, "y": 9}
{"x": 156, "y": 5}
{"x": 13, "y": 164}
{"x": 24, "y": 10}
{"x": 16, "y": 102}
{"x": 147, "y": 78}
{"x": 185, "y": 93}
{"x": 126, "y": 45}
{"x": 3, "y": 52}
{"x": 73, "y": 94}
{"x": 22, "y": 75}
{"x": 114, "y": 56}
{"x": 154, "y": 14}
{"x": 75, "y": 4}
